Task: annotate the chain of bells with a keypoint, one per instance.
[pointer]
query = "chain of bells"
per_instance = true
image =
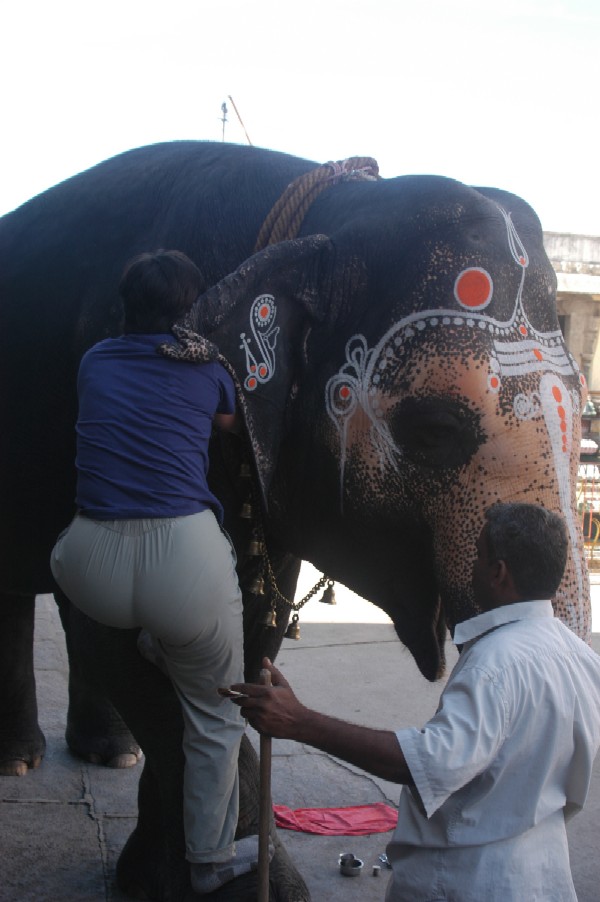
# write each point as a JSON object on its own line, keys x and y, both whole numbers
{"x": 257, "y": 548}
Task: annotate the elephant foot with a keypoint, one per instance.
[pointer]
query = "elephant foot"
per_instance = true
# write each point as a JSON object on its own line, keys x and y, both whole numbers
{"x": 95, "y": 731}
{"x": 19, "y": 757}
{"x": 22, "y": 743}
{"x": 119, "y": 761}
{"x": 285, "y": 883}
{"x": 143, "y": 871}
{"x": 18, "y": 767}
{"x": 116, "y": 750}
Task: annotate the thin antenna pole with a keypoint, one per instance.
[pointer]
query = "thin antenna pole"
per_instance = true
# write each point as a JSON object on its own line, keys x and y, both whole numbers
{"x": 224, "y": 119}
{"x": 240, "y": 118}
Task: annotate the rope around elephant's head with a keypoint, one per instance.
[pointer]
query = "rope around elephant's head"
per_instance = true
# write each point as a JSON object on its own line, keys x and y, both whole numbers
{"x": 287, "y": 215}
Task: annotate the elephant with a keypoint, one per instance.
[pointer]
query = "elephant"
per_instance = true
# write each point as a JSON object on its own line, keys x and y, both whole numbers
{"x": 400, "y": 368}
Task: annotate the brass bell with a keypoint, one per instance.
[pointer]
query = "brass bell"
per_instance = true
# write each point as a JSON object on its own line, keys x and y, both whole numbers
{"x": 270, "y": 618}
{"x": 293, "y": 630}
{"x": 255, "y": 547}
{"x": 246, "y": 511}
{"x": 329, "y": 594}
{"x": 245, "y": 471}
{"x": 257, "y": 586}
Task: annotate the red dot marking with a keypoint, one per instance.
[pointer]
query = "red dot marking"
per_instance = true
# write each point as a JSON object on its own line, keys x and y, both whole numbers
{"x": 494, "y": 382}
{"x": 522, "y": 261}
{"x": 473, "y": 288}
{"x": 262, "y": 370}
{"x": 557, "y": 394}
{"x": 538, "y": 354}
{"x": 523, "y": 330}
{"x": 344, "y": 392}
{"x": 252, "y": 382}
{"x": 264, "y": 311}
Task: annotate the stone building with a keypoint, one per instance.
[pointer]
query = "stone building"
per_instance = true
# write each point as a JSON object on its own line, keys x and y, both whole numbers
{"x": 576, "y": 261}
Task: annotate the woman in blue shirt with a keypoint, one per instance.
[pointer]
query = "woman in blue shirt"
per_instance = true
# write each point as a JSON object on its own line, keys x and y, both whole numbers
{"x": 146, "y": 548}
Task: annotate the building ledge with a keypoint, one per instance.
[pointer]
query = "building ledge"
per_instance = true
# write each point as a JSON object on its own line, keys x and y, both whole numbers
{"x": 578, "y": 283}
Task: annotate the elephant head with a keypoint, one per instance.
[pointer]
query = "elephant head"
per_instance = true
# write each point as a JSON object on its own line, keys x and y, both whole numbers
{"x": 386, "y": 418}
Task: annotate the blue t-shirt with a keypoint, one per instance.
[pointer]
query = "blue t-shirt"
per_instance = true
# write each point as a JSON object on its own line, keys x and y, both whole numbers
{"x": 143, "y": 430}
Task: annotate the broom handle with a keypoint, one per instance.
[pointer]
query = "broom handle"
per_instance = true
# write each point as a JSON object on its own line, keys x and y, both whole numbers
{"x": 265, "y": 807}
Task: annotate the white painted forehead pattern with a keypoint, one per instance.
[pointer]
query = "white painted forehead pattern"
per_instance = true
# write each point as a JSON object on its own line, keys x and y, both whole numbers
{"x": 517, "y": 348}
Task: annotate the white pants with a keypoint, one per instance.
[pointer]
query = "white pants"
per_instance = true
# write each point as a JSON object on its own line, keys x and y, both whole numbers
{"x": 175, "y": 578}
{"x": 531, "y": 867}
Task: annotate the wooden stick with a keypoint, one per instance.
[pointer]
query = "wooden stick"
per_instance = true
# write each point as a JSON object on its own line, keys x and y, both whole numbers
{"x": 265, "y": 807}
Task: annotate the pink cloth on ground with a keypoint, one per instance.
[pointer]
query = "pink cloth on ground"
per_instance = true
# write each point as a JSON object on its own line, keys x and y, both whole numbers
{"x": 356, "y": 820}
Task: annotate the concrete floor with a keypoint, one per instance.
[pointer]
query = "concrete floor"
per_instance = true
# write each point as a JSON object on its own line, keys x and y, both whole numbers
{"x": 62, "y": 827}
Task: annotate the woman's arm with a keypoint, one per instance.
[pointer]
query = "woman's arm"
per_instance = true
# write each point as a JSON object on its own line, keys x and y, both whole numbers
{"x": 227, "y": 422}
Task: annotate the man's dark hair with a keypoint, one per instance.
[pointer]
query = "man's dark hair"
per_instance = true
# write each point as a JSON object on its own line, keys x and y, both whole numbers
{"x": 158, "y": 289}
{"x": 532, "y": 541}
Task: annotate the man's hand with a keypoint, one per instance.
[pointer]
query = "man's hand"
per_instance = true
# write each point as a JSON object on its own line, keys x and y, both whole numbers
{"x": 273, "y": 710}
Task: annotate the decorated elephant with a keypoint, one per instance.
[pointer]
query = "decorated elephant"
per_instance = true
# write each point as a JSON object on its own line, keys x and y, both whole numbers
{"x": 400, "y": 368}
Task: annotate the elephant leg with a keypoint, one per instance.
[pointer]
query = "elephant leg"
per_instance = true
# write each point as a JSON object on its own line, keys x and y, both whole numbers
{"x": 95, "y": 731}
{"x": 22, "y": 743}
{"x": 152, "y": 864}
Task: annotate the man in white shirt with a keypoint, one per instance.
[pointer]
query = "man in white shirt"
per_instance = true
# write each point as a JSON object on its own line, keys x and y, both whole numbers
{"x": 507, "y": 758}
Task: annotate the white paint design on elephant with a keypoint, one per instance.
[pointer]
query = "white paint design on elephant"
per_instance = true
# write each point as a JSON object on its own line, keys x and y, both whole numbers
{"x": 352, "y": 387}
{"x": 260, "y": 366}
{"x": 517, "y": 350}
{"x": 558, "y": 410}
{"x": 527, "y": 406}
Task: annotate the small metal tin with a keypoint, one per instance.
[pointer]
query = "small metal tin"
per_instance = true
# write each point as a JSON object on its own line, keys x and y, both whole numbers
{"x": 350, "y": 866}
{"x": 376, "y": 870}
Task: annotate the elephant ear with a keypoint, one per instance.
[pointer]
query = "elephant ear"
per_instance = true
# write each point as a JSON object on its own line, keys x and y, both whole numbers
{"x": 257, "y": 317}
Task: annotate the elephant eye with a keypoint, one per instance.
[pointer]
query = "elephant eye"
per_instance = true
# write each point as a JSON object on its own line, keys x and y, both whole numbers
{"x": 436, "y": 432}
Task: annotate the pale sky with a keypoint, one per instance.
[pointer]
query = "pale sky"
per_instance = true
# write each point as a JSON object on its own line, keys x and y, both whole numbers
{"x": 490, "y": 92}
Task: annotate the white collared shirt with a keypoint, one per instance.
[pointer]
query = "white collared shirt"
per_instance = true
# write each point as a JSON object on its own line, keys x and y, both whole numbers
{"x": 514, "y": 738}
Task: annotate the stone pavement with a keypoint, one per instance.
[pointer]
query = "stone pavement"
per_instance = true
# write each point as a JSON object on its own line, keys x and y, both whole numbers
{"x": 63, "y": 826}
